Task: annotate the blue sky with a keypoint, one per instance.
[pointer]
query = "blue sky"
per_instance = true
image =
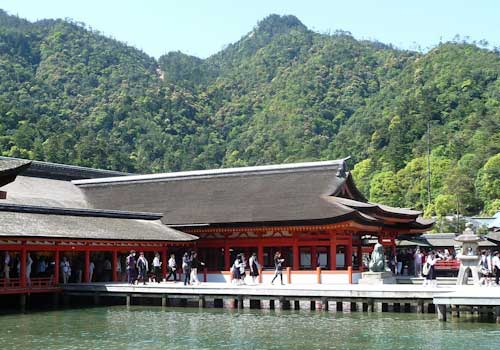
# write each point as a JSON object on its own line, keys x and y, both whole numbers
{"x": 202, "y": 28}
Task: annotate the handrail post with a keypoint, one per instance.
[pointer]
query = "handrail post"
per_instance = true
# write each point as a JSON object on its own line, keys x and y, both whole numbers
{"x": 349, "y": 272}
{"x": 289, "y": 275}
{"x": 318, "y": 275}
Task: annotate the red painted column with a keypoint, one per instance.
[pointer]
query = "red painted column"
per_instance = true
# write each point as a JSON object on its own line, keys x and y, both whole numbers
{"x": 114, "y": 262}
{"x": 360, "y": 257}
{"x": 333, "y": 252}
{"x": 348, "y": 253}
{"x": 86, "y": 265}
{"x": 314, "y": 257}
{"x": 164, "y": 262}
{"x": 260, "y": 256}
{"x": 296, "y": 256}
{"x": 56, "y": 267}
{"x": 23, "y": 265}
{"x": 227, "y": 257}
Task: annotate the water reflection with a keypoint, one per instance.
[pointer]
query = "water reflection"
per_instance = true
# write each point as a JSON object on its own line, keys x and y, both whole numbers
{"x": 183, "y": 328}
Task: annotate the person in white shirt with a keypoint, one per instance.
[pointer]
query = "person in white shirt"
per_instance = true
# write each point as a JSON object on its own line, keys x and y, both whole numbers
{"x": 91, "y": 271}
{"x": 6, "y": 266}
{"x": 430, "y": 278}
{"x": 157, "y": 267}
{"x": 172, "y": 268}
{"x": 495, "y": 262}
{"x": 65, "y": 269}
{"x": 143, "y": 268}
{"x": 29, "y": 262}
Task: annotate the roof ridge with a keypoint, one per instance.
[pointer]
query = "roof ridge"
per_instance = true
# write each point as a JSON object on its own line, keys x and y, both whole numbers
{"x": 251, "y": 170}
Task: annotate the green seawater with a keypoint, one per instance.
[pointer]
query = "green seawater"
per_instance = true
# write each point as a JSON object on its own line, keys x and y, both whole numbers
{"x": 151, "y": 328}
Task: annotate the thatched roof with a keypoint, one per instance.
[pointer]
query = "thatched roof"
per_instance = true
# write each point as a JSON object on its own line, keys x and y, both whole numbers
{"x": 26, "y": 221}
{"x": 291, "y": 193}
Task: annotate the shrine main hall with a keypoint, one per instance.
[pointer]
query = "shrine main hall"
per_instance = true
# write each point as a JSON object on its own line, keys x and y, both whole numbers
{"x": 311, "y": 212}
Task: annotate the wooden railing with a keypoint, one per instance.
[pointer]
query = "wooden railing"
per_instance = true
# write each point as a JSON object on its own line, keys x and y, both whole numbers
{"x": 36, "y": 284}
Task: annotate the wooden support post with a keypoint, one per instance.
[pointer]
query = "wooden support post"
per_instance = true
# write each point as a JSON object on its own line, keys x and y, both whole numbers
{"x": 420, "y": 307}
{"x": 289, "y": 275}
{"x": 339, "y": 306}
{"x": 455, "y": 310}
{"x": 271, "y": 304}
{"x": 202, "y": 303}
{"x": 324, "y": 304}
{"x": 441, "y": 311}
{"x": 497, "y": 314}
{"x": 349, "y": 274}
{"x": 260, "y": 274}
{"x": 370, "y": 305}
{"x": 318, "y": 275}
{"x": 254, "y": 304}
{"x": 359, "y": 306}
{"x": 377, "y": 306}
{"x": 128, "y": 299}
{"x": 114, "y": 263}
{"x": 86, "y": 271}
{"x": 296, "y": 304}
{"x": 55, "y": 300}
{"x": 240, "y": 302}
{"x": 218, "y": 303}
{"x": 97, "y": 298}
{"x": 313, "y": 305}
{"x": 22, "y": 303}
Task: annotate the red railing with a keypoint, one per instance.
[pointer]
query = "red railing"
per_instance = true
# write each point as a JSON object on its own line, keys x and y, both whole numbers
{"x": 36, "y": 284}
{"x": 448, "y": 265}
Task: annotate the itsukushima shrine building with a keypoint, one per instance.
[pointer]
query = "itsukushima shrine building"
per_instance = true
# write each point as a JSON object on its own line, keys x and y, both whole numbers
{"x": 311, "y": 212}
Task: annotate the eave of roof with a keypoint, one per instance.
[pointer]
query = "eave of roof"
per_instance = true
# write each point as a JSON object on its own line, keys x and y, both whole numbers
{"x": 10, "y": 168}
{"x": 79, "y": 212}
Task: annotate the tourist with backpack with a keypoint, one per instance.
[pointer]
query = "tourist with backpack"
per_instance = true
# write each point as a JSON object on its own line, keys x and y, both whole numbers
{"x": 278, "y": 265}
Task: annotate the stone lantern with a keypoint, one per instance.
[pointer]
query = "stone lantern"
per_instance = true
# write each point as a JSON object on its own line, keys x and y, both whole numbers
{"x": 469, "y": 257}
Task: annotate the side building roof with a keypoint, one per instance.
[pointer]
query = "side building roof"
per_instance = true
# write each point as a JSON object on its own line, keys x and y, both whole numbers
{"x": 32, "y": 221}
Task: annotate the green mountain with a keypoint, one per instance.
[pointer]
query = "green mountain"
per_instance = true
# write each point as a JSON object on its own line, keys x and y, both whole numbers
{"x": 282, "y": 93}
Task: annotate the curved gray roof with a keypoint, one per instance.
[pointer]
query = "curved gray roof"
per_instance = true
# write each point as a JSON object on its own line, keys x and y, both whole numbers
{"x": 22, "y": 224}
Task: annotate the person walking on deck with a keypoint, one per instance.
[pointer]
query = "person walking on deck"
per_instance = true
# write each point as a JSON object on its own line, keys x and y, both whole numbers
{"x": 254, "y": 267}
{"x": 7, "y": 261}
{"x": 142, "y": 268}
{"x": 495, "y": 262}
{"x": 417, "y": 260}
{"x": 157, "y": 267}
{"x": 186, "y": 268}
{"x": 65, "y": 269}
{"x": 29, "y": 262}
{"x": 278, "y": 265}
{"x": 131, "y": 271}
{"x": 172, "y": 267}
{"x": 195, "y": 264}
{"x": 430, "y": 277}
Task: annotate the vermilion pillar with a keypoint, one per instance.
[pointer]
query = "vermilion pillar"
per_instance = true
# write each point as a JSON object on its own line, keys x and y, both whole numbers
{"x": 348, "y": 253}
{"x": 23, "y": 265}
{"x": 360, "y": 257}
{"x": 164, "y": 261}
{"x": 260, "y": 254}
{"x": 227, "y": 257}
{"x": 114, "y": 263}
{"x": 56, "y": 267}
{"x": 333, "y": 253}
{"x": 296, "y": 256}
{"x": 86, "y": 265}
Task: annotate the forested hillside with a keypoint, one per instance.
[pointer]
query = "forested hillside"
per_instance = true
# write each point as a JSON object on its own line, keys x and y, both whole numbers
{"x": 282, "y": 93}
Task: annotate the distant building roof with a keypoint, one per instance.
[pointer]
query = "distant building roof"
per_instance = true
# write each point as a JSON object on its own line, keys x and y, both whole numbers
{"x": 10, "y": 168}
{"x": 439, "y": 240}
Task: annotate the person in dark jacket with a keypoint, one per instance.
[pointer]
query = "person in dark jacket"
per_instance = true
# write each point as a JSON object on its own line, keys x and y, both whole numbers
{"x": 131, "y": 272}
{"x": 278, "y": 265}
{"x": 195, "y": 264}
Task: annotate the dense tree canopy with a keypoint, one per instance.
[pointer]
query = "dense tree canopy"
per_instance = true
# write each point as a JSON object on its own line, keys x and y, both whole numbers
{"x": 282, "y": 93}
